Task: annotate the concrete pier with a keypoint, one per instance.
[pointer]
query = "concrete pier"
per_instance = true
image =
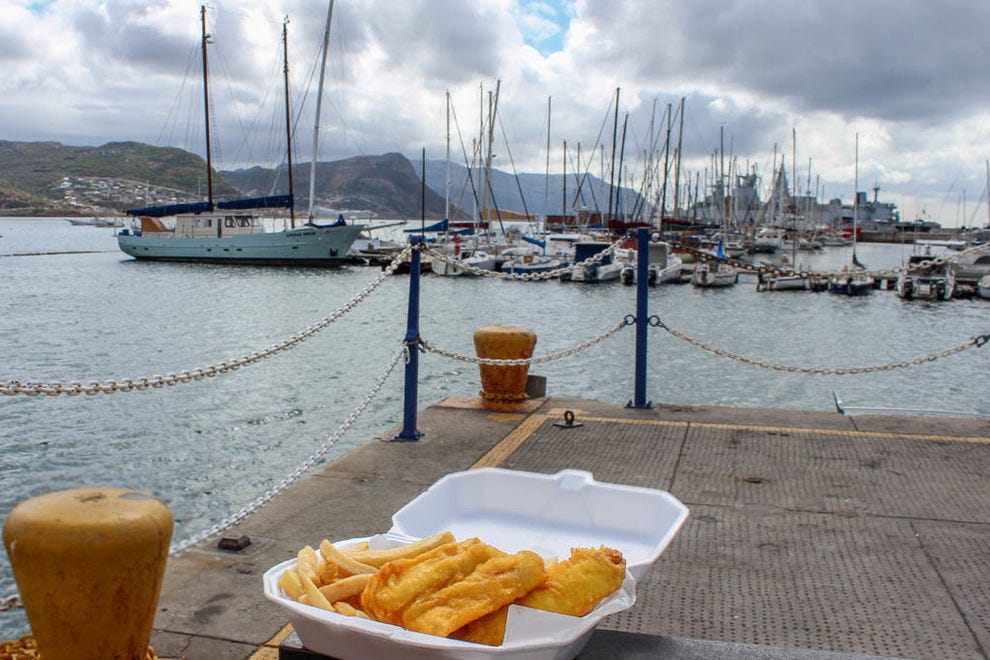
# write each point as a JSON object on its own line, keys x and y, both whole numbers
{"x": 811, "y": 534}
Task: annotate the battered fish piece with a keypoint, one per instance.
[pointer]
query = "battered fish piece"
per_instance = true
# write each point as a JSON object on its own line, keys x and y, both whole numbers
{"x": 489, "y": 629}
{"x": 491, "y": 586}
{"x": 399, "y": 583}
{"x": 574, "y": 586}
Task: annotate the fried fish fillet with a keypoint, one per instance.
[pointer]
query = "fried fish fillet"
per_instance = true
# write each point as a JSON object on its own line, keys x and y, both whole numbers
{"x": 489, "y": 629}
{"x": 399, "y": 583}
{"x": 491, "y": 586}
{"x": 574, "y": 586}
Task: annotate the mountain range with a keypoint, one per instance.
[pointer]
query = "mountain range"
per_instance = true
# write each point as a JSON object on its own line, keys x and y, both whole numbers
{"x": 49, "y": 178}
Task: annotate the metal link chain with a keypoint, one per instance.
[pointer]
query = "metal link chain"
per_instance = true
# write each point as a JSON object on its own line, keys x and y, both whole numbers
{"x": 522, "y": 361}
{"x": 75, "y": 388}
{"x": 308, "y": 464}
{"x": 975, "y": 342}
{"x": 526, "y": 277}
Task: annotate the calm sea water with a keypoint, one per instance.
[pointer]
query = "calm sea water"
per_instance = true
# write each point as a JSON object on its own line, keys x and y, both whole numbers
{"x": 208, "y": 448}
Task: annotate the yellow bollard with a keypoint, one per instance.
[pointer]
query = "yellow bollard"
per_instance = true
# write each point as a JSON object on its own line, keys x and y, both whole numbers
{"x": 504, "y": 384}
{"x": 89, "y": 565}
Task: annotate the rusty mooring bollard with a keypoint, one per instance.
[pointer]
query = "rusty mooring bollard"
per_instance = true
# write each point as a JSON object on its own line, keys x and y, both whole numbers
{"x": 504, "y": 384}
{"x": 89, "y": 565}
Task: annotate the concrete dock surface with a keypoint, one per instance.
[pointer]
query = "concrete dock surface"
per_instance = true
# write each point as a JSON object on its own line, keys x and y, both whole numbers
{"x": 810, "y": 535}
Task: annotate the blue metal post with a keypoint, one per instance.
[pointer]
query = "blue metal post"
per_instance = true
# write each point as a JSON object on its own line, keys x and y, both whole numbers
{"x": 409, "y": 431}
{"x": 642, "y": 316}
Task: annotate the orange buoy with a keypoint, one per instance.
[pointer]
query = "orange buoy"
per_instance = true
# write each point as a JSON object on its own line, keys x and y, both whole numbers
{"x": 506, "y": 383}
{"x": 89, "y": 564}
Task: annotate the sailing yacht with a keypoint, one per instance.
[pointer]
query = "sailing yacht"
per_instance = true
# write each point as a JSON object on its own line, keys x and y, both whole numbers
{"x": 233, "y": 231}
{"x": 853, "y": 280}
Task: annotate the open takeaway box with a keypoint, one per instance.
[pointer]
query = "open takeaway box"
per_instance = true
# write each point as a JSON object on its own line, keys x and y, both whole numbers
{"x": 512, "y": 510}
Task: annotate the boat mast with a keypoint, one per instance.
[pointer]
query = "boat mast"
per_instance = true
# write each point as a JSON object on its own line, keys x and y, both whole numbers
{"x": 446, "y": 203}
{"x": 546, "y": 179}
{"x": 288, "y": 117}
{"x": 611, "y": 176}
{"x": 563, "y": 197}
{"x": 988, "y": 193}
{"x": 492, "y": 110}
{"x": 319, "y": 106}
{"x": 855, "y": 197}
{"x": 677, "y": 160}
{"x": 206, "y": 105}
{"x": 666, "y": 169}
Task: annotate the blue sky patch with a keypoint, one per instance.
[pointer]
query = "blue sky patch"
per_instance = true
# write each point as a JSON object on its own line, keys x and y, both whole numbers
{"x": 544, "y": 23}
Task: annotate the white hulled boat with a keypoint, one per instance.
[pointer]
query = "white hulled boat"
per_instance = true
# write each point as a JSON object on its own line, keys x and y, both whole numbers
{"x": 714, "y": 274}
{"x": 983, "y": 287}
{"x": 233, "y": 232}
{"x": 923, "y": 281}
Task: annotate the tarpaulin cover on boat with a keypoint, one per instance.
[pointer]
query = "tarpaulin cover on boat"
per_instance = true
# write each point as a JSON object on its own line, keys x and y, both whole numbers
{"x": 267, "y": 202}
{"x": 171, "y": 209}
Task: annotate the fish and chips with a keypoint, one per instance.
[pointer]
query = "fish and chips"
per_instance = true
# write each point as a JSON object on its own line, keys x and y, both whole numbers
{"x": 456, "y": 589}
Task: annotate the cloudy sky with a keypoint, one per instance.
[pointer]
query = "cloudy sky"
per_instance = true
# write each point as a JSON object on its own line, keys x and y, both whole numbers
{"x": 911, "y": 77}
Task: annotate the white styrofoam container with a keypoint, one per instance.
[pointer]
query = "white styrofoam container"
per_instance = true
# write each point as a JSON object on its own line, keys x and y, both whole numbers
{"x": 512, "y": 510}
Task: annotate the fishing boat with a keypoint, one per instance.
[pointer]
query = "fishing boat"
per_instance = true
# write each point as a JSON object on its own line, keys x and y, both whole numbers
{"x": 235, "y": 231}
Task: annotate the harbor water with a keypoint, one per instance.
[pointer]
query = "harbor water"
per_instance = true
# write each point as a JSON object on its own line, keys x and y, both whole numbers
{"x": 74, "y": 308}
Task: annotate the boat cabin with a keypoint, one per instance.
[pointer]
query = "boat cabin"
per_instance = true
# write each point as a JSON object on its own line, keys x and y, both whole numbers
{"x": 212, "y": 225}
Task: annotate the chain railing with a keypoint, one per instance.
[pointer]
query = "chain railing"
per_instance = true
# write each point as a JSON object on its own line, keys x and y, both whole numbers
{"x": 91, "y": 388}
{"x": 460, "y": 264}
{"x": 629, "y": 320}
{"x": 305, "y": 467}
{"x": 13, "y": 601}
{"x": 975, "y": 342}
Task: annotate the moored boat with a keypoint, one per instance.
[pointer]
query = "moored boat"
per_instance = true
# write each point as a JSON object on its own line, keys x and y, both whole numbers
{"x": 983, "y": 287}
{"x": 925, "y": 279}
{"x": 851, "y": 282}
{"x": 234, "y": 237}
{"x": 96, "y": 222}
{"x": 665, "y": 266}
{"x": 235, "y": 231}
{"x": 714, "y": 274}
{"x": 606, "y": 270}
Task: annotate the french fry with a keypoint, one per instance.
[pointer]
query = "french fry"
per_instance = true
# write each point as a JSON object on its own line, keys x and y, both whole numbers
{"x": 360, "y": 546}
{"x": 379, "y": 558}
{"x": 345, "y": 587}
{"x": 343, "y": 607}
{"x": 314, "y": 597}
{"x": 291, "y": 584}
{"x": 350, "y": 566}
{"x": 327, "y": 571}
{"x": 308, "y": 564}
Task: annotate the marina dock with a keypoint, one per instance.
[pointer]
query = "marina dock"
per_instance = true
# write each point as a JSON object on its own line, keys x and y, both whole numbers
{"x": 810, "y": 534}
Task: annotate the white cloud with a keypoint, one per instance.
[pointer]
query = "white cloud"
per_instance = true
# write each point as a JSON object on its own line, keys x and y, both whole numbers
{"x": 908, "y": 75}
